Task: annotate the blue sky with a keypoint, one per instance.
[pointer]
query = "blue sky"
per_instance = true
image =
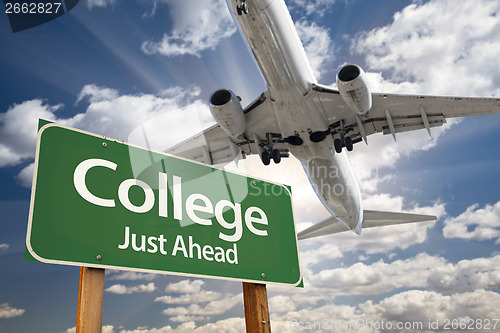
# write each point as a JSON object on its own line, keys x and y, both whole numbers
{"x": 109, "y": 66}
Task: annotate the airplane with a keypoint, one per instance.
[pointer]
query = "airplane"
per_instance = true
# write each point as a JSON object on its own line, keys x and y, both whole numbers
{"x": 314, "y": 122}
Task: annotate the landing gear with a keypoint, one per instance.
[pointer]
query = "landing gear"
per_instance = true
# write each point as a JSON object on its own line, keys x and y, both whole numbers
{"x": 276, "y": 156}
{"x": 266, "y": 148}
{"x": 343, "y": 141}
{"x": 266, "y": 156}
{"x": 338, "y": 144}
{"x": 348, "y": 143}
{"x": 242, "y": 9}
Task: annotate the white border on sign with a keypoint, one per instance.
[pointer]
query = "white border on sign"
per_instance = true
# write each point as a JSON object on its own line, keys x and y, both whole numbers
{"x": 71, "y": 263}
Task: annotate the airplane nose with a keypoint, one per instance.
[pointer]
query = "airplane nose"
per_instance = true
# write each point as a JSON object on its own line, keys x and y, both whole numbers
{"x": 335, "y": 185}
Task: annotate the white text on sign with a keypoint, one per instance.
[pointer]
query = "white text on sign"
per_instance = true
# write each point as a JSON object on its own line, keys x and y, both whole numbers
{"x": 194, "y": 203}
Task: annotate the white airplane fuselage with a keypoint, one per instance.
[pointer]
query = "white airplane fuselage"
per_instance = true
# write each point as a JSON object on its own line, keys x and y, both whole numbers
{"x": 273, "y": 39}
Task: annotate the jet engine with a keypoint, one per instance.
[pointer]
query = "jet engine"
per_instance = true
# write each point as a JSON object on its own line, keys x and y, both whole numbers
{"x": 226, "y": 109}
{"x": 351, "y": 82}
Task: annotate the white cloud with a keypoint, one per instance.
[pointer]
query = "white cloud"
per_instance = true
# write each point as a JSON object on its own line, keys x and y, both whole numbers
{"x": 131, "y": 276}
{"x": 281, "y": 303}
{"x": 18, "y": 128}
{"x": 201, "y": 296}
{"x": 315, "y": 318}
{"x": 122, "y": 290}
{"x": 7, "y": 311}
{"x": 4, "y": 246}
{"x": 140, "y": 119}
{"x": 216, "y": 307}
{"x": 105, "y": 329}
{"x": 376, "y": 278}
{"x": 424, "y": 306}
{"x": 413, "y": 306}
{"x": 317, "y": 44}
{"x": 475, "y": 224}
{"x": 99, "y": 3}
{"x": 96, "y": 94}
{"x": 466, "y": 275}
{"x": 313, "y": 7}
{"x": 437, "y": 46}
{"x": 371, "y": 162}
{"x": 187, "y": 318}
{"x": 192, "y": 294}
{"x": 193, "y": 31}
{"x": 229, "y": 325}
{"x": 420, "y": 272}
{"x": 185, "y": 287}
{"x": 25, "y": 177}
{"x": 117, "y": 116}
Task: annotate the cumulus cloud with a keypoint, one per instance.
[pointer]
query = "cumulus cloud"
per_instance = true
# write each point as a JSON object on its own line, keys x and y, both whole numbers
{"x": 312, "y": 7}
{"x": 373, "y": 163}
{"x": 317, "y": 44}
{"x": 281, "y": 303}
{"x": 416, "y": 306}
{"x": 377, "y": 278}
{"x": 466, "y": 275}
{"x": 185, "y": 286}
{"x": 131, "y": 276}
{"x": 201, "y": 296}
{"x": 18, "y": 129}
{"x": 25, "y": 177}
{"x": 140, "y": 119}
{"x": 423, "y": 272}
{"x": 475, "y": 224}
{"x": 441, "y": 53}
{"x": 202, "y": 303}
{"x": 454, "y": 290}
{"x": 122, "y": 290}
{"x": 117, "y": 116}
{"x": 216, "y": 307}
{"x": 7, "y": 311}
{"x": 229, "y": 325}
{"x": 193, "y": 34}
{"x": 4, "y": 246}
{"x": 105, "y": 329}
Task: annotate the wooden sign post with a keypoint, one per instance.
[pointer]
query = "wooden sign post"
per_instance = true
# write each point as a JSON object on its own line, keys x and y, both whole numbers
{"x": 256, "y": 308}
{"x": 90, "y": 297}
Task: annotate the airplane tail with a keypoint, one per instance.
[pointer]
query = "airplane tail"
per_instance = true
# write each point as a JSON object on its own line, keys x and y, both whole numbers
{"x": 371, "y": 219}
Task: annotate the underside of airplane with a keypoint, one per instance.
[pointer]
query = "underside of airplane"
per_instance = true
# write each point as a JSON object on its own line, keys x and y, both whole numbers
{"x": 314, "y": 122}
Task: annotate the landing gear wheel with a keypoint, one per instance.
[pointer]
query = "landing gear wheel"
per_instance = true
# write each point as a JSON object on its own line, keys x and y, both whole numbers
{"x": 348, "y": 144}
{"x": 242, "y": 9}
{"x": 266, "y": 158}
{"x": 338, "y": 145}
{"x": 276, "y": 156}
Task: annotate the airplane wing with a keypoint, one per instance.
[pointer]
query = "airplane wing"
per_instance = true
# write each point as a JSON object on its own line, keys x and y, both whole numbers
{"x": 215, "y": 146}
{"x": 394, "y": 113}
{"x": 371, "y": 219}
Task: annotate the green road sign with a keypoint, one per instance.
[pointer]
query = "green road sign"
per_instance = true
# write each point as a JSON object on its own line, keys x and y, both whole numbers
{"x": 98, "y": 202}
